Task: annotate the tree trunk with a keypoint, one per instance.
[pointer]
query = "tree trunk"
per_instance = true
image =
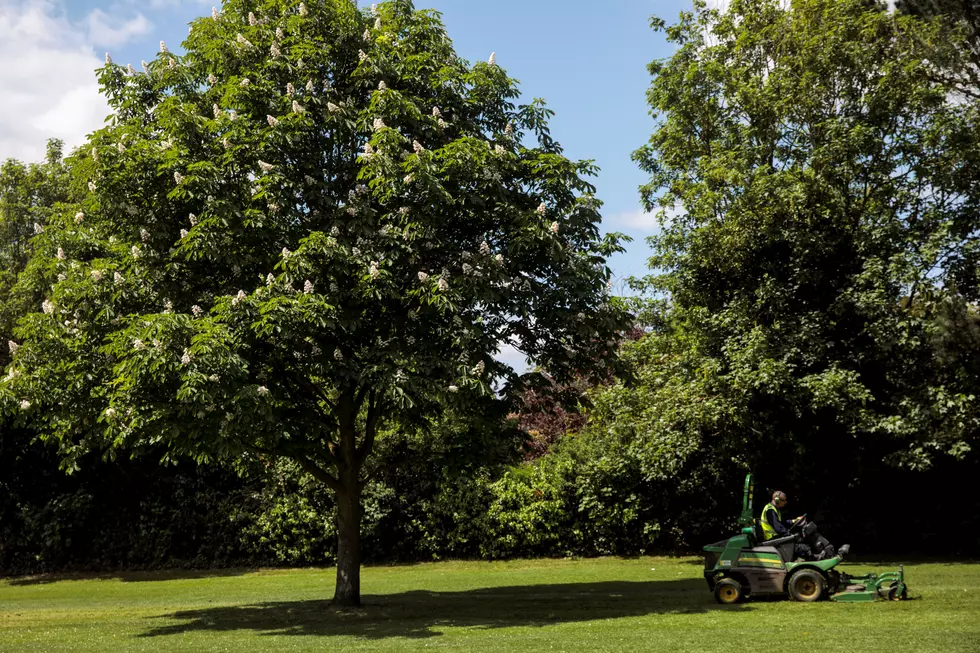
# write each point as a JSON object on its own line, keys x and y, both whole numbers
{"x": 348, "y": 592}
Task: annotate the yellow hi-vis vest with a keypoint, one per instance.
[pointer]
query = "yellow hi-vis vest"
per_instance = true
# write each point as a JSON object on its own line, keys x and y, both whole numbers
{"x": 768, "y": 531}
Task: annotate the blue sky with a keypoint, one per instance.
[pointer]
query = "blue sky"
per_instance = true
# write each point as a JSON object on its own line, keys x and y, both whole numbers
{"x": 587, "y": 59}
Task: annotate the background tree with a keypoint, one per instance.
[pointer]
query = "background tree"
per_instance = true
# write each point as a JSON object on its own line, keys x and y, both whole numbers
{"x": 826, "y": 235}
{"x": 961, "y": 16}
{"x": 316, "y": 222}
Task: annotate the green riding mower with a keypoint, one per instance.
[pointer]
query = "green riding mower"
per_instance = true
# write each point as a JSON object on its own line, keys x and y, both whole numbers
{"x": 747, "y": 565}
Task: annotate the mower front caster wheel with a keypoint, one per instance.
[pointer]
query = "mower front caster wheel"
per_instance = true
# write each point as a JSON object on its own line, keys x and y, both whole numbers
{"x": 729, "y": 591}
{"x": 806, "y": 585}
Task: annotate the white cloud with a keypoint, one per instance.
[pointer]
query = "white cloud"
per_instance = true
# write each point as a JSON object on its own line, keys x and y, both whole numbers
{"x": 47, "y": 80}
{"x": 108, "y": 31}
{"x": 640, "y": 220}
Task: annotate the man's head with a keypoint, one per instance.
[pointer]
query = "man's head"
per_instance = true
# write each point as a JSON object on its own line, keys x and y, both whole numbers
{"x": 779, "y": 499}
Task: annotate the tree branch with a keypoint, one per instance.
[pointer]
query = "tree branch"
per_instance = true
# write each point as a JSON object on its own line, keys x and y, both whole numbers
{"x": 370, "y": 428}
{"x": 318, "y": 473}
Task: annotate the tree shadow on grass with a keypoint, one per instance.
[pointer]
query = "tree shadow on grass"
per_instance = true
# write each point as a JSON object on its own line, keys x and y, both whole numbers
{"x": 421, "y": 614}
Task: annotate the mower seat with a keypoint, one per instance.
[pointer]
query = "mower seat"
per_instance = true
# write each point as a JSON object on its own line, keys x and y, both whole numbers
{"x": 786, "y": 546}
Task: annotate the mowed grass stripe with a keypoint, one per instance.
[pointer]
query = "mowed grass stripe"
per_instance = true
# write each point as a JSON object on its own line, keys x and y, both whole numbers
{"x": 562, "y": 605}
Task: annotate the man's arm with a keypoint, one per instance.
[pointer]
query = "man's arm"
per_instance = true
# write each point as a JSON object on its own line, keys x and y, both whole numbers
{"x": 775, "y": 523}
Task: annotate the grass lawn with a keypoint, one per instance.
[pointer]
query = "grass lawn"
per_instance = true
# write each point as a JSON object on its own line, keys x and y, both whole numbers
{"x": 645, "y": 604}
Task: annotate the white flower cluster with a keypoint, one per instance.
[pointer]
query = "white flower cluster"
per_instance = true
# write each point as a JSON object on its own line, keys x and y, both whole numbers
{"x": 24, "y": 404}
{"x": 168, "y": 306}
{"x": 309, "y": 86}
{"x": 144, "y": 235}
{"x": 297, "y": 107}
{"x": 179, "y": 178}
{"x": 308, "y": 287}
{"x": 138, "y": 345}
{"x": 275, "y": 51}
{"x": 185, "y": 359}
{"x": 91, "y": 186}
{"x": 212, "y": 80}
{"x": 214, "y": 13}
{"x": 47, "y": 307}
{"x": 553, "y": 228}
{"x": 270, "y": 279}
{"x": 442, "y": 124}
{"x": 251, "y": 19}
{"x": 382, "y": 86}
{"x": 499, "y": 258}
{"x": 242, "y": 41}
{"x": 135, "y": 251}
{"x": 373, "y": 270}
{"x": 117, "y": 278}
{"x": 279, "y": 34}
{"x": 303, "y": 11}
{"x": 79, "y": 217}
{"x": 436, "y": 113}
{"x": 485, "y": 248}
{"x": 443, "y": 284}
{"x": 509, "y": 129}
{"x": 13, "y": 347}
{"x": 417, "y": 147}
{"x": 237, "y": 299}
{"x": 196, "y": 310}
{"x": 272, "y": 120}
{"x": 362, "y": 55}
{"x": 366, "y": 35}
{"x": 192, "y": 219}
{"x": 61, "y": 254}
{"x": 146, "y": 66}
{"x": 332, "y": 108}
{"x": 378, "y": 124}
{"x": 478, "y": 368}
{"x": 423, "y": 277}
{"x": 130, "y": 69}
{"x": 97, "y": 274}
{"x": 542, "y": 208}
{"x": 216, "y": 110}
{"x": 183, "y": 233}
{"x": 226, "y": 143}
{"x": 285, "y": 252}
{"x": 244, "y": 83}
{"x": 453, "y": 389}
{"x": 338, "y": 355}
{"x": 108, "y": 59}
{"x": 266, "y": 167}
{"x": 38, "y": 229}
{"x": 263, "y": 391}
{"x": 493, "y": 59}
{"x": 290, "y": 89}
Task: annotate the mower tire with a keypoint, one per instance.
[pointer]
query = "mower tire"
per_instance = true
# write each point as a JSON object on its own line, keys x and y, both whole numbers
{"x": 729, "y": 591}
{"x": 806, "y": 585}
{"x": 894, "y": 595}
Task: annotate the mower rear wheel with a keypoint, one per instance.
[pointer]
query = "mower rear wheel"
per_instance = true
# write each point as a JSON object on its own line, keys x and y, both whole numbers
{"x": 729, "y": 591}
{"x": 806, "y": 585}
{"x": 895, "y": 595}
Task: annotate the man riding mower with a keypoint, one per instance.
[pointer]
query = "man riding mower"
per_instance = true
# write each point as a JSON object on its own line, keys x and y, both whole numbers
{"x": 750, "y": 564}
{"x": 814, "y": 546}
